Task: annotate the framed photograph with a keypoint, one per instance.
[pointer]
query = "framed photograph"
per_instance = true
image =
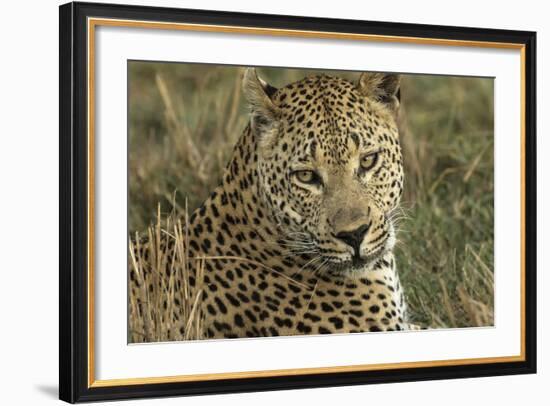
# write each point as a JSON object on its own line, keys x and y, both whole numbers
{"x": 257, "y": 202}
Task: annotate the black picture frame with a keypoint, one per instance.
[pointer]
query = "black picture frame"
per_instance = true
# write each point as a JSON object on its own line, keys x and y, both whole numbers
{"x": 73, "y": 284}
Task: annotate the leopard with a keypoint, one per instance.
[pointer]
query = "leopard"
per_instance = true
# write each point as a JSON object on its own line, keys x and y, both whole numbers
{"x": 298, "y": 237}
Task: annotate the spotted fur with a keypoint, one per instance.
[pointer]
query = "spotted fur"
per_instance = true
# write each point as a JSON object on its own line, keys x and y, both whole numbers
{"x": 290, "y": 255}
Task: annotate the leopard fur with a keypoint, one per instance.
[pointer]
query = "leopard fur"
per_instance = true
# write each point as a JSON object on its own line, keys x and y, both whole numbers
{"x": 298, "y": 236}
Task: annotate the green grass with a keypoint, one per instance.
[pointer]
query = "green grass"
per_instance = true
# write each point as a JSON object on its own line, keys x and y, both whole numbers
{"x": 185, "y": 119}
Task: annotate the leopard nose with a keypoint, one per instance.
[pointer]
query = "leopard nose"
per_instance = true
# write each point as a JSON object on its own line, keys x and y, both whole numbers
{"x": 354, "y": 238}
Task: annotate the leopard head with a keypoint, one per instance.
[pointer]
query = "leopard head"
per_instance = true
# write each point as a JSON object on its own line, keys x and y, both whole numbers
{"x": 329, "y": 165}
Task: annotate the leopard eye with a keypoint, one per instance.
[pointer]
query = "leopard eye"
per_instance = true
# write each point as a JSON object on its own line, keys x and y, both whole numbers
{"x": 369, "y": 161}
{"x": 308, "y": 177}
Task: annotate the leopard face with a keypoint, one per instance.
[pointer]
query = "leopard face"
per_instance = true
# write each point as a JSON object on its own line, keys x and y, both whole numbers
{"x": 329, "y": 167}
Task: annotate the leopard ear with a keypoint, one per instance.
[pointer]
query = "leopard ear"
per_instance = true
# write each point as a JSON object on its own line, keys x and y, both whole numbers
{"x": 382, "y": 87}
{"x": 263, "y": 111}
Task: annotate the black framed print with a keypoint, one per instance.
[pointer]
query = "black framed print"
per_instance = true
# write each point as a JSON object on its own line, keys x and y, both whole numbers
{"x": 257, "y": 202}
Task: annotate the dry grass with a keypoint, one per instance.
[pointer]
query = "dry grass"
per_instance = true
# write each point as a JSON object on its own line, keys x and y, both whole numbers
{"x": 165, "y": 307}
{"x": 184, "y": 122}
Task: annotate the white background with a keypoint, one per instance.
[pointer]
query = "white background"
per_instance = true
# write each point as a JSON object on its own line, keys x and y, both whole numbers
{"x": 29, "y": 170}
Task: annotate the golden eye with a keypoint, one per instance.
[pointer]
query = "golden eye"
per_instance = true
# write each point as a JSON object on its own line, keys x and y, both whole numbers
{"x": 307, "y": 176}
{"x": 368, "y": 161}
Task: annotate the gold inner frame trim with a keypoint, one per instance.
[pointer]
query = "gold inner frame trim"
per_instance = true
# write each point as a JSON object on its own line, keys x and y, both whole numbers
{"x": 299, "y": 371}
{"x": 94, "y": 22}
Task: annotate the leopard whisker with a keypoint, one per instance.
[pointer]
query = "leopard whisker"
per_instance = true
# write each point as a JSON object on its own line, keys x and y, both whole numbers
{"x": 310, "y": 262}
{"x": 298, "y": 253}
{"x": 326, "y": 260}
{"x": 297, "y": 245}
